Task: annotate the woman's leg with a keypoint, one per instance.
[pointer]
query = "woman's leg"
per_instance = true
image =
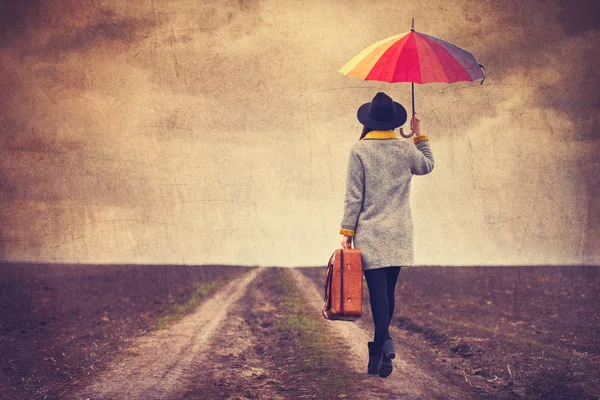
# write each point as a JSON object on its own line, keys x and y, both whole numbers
{"x": 378, "y": 295}
{"x": 391, "y": 279}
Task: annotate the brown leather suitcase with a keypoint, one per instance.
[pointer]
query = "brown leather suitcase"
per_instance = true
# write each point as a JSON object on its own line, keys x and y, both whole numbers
{"x": 344, "y": 286}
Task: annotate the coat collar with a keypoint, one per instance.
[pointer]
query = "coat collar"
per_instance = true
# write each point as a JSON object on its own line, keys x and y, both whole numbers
{"x": 381, "y": 135}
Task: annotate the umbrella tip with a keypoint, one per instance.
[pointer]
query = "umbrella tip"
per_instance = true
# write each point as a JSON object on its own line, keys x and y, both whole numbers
{"x": 413, "y": 25}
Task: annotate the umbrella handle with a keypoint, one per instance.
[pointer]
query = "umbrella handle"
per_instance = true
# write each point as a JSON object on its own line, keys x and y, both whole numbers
{"x": 412, "y": 85}
{"x": 406, "y": 136}
{"x": 413, "y": 109}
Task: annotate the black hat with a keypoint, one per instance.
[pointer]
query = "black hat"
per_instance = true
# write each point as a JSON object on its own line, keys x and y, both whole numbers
{"x": 382, "y": 113}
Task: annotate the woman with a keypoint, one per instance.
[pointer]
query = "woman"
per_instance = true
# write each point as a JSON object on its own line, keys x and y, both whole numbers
{"x": 377, "y": 213}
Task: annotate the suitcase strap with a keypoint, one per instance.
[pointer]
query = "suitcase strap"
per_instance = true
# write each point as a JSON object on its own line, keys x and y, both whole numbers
{"x": 328, "y": 283}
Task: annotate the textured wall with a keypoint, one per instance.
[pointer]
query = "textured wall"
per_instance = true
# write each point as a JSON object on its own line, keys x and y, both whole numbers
{"x": 218, "y": 131}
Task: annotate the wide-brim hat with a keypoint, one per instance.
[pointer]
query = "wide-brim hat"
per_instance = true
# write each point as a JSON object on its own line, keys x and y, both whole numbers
{"x": 382, "y": 113}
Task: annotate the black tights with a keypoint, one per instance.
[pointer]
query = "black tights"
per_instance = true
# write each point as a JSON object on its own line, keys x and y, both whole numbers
{"x": 382, "y": 284}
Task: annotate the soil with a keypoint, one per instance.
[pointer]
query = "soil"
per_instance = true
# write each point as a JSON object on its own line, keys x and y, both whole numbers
{"x": 461, "y": 333}
{"x": 156, "y": 366}
{"x": 62, "y": 324}
{"x": 411, "y": 379}
{"x": 506, "y": 332}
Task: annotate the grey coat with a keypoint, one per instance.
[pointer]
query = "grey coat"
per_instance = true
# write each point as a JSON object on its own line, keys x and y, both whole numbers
{"x": 376, "y": 207}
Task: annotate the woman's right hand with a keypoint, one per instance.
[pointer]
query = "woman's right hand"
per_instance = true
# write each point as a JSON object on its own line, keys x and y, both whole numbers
{"x": 415, "y": 125}
{"x": 346, "y": 242}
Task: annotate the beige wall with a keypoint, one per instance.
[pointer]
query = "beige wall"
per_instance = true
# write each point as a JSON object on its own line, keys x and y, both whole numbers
{"x": 199, "y": 132}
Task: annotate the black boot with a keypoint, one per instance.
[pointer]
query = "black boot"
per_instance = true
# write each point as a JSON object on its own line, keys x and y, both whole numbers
{"x": 387, "y": 354}
{"x": 374, "y": 360}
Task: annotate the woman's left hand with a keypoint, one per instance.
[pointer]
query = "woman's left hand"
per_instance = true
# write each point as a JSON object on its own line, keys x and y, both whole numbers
{"x": 346, "y": 242}
{"x": 415, "y": 125}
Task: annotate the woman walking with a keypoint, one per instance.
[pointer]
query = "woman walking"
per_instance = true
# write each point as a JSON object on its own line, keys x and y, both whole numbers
{"x": 377, "y": 214}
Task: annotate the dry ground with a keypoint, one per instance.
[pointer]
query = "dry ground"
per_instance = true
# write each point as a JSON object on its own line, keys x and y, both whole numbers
{"x": 156, "y": 332}
{"x": 506, "y": 332}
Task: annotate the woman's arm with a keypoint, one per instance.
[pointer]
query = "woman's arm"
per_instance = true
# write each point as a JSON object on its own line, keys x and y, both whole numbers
{"x": 355, "y": 184}
{"x": 423, "y": 158}
{"x": 422, "y": 162}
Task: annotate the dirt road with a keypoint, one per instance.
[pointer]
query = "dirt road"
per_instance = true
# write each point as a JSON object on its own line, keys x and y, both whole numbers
{"x": 261, "y": 336}
{"x": 410, "y": 380}
{"x": 157, "y": 365}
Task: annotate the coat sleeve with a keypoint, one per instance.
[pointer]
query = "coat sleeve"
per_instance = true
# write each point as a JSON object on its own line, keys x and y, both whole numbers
{"x": 355, "y": 186}
{"x": 422, "y": 160}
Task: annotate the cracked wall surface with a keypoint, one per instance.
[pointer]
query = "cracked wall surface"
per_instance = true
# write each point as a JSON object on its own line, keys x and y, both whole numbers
{"x": 218, "y": 131}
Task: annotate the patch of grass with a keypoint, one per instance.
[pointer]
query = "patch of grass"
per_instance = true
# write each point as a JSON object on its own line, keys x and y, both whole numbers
{"x": 180, "y": 310}
{"x": 319, "y": 351}
{"x": 161, "y": 324}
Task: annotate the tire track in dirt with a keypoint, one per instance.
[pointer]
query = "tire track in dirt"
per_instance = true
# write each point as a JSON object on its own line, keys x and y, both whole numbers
{"x": 236, "y": 366}
{"x": 270, "y": 348}
{"x": 409, "y": 379}
{"x": 158, "y": 365}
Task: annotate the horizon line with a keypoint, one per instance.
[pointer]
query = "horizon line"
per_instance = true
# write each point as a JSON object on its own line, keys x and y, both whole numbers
{"x": 49, "y": 263}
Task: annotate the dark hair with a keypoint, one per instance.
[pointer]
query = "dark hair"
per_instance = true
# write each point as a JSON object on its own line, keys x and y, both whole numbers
{"x": 365, "y": 130}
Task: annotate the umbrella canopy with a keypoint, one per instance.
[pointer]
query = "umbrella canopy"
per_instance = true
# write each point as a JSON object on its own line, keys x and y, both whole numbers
{"x": 414, "y": 57}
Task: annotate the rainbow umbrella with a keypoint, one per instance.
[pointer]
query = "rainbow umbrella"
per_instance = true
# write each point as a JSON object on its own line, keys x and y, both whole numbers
{"x": 414, "y": 57}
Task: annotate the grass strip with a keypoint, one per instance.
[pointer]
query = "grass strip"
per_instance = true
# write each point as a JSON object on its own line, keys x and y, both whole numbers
{"x": 320, "y": 352}
{"x": 202, "y": 291}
